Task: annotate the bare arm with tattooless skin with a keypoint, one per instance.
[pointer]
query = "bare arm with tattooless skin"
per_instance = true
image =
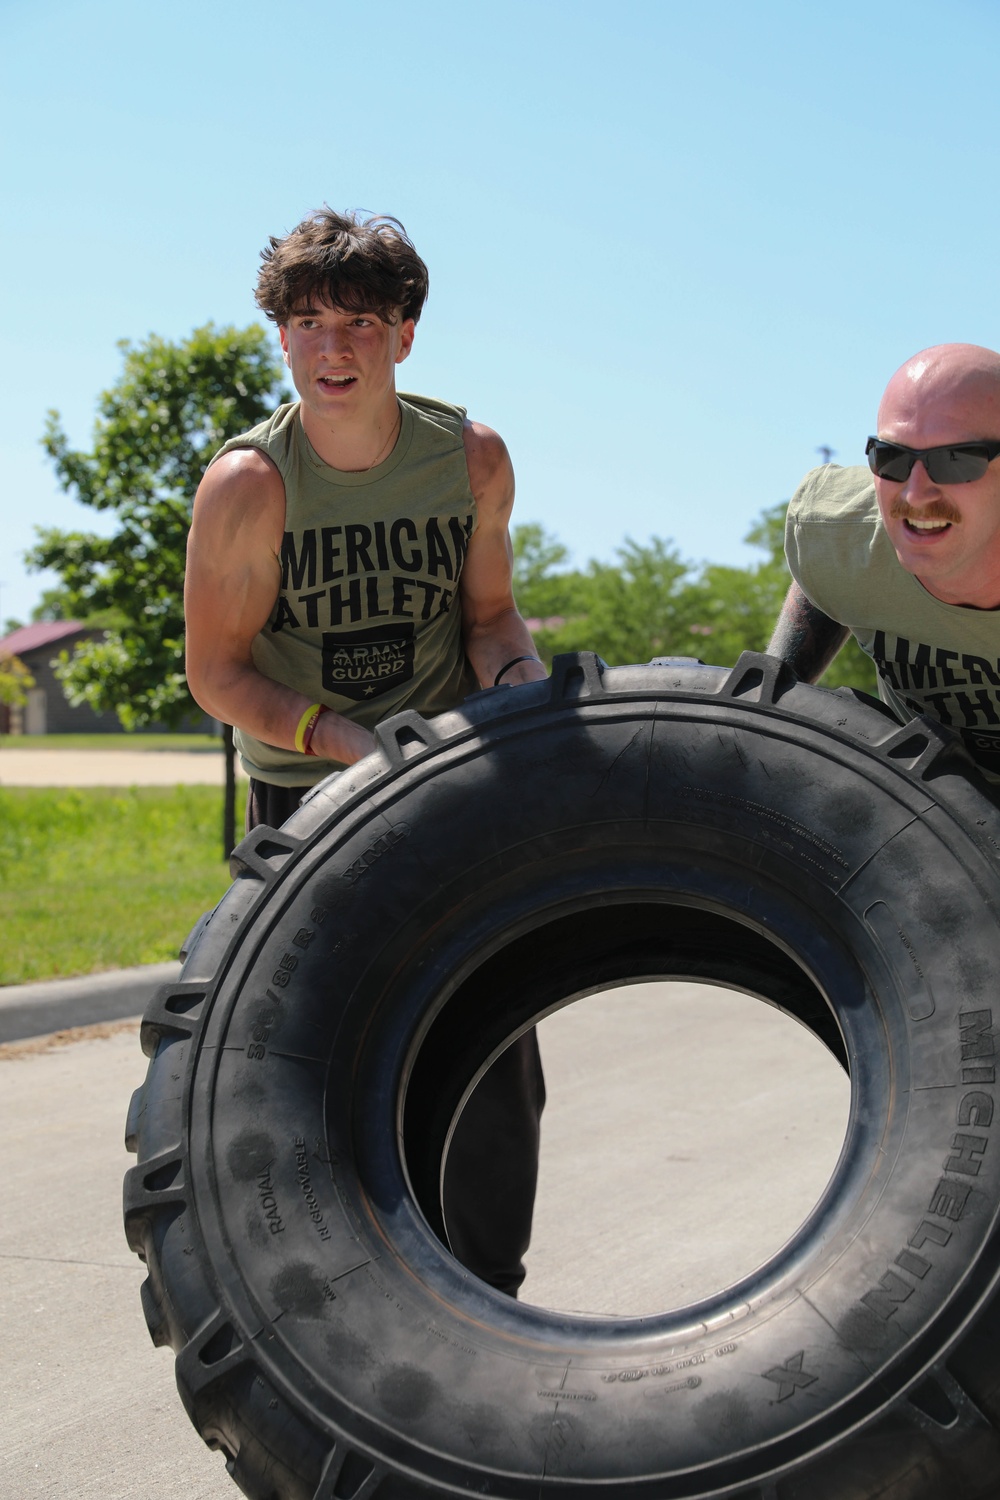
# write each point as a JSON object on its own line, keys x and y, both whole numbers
{"x": 308, "y": 624}
{"x": 232, "y": 581}
{"x": 493, "y": 630}
{"x": 234, "y": 573}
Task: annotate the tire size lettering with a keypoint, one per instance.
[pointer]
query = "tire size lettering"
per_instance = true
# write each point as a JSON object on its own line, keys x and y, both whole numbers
{"x": 287, "y": 964}
{"x": 382, "y": 845}
{"x": 260, "y": 1032}
{"x": 649, "y": 1372}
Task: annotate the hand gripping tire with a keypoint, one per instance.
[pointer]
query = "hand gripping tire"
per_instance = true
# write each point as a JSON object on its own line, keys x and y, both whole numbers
{"x": 417, "y": 912}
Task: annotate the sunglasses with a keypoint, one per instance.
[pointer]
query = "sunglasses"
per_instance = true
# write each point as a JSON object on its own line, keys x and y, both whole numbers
{"x": 958, "y": 463}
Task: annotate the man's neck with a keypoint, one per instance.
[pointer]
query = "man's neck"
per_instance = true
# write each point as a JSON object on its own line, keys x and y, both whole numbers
{"x": 354, "y": 445}
{"x": 984, "y": 596}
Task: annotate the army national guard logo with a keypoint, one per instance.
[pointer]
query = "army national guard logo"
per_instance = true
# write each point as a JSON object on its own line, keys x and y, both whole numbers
{"x": 360, "y": 664}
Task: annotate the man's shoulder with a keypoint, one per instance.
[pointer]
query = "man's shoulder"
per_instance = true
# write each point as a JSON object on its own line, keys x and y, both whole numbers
{"x": 832, "y": 493}
{"x": 835, "y": 543}
{"x": 274, "y": 431}
{"x": 432, "y": 414}
{"x": 233, "y": 469}
{"x": 443, "y": 430}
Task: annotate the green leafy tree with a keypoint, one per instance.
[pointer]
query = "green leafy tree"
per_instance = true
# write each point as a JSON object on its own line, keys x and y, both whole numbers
{"x": 851, "y": 668}
{"x": 53, "y": 604}
{"x": 57, "y": 604}
{"x": 171, "y": 408}
{"x": 650, "y": 603}
{"x": 627, "y": 611}
{"x": 744, "y": 603}
{"x": 640, "y": 607}
{"x": 736, "y": 607}
{"x": 157, "y": 427}
{"x": 15, "y": 680}
{"x": 543, "y": 586}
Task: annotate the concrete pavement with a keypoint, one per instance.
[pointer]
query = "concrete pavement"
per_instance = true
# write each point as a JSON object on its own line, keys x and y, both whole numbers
{"x": 89, "y": 1411}
{"x": 688, "y": 1132}
{"x": 675, "y": 1112}
{"x": 112, "y": 767}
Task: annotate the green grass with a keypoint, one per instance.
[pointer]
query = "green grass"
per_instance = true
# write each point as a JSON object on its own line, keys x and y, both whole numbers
{"x": 97, "y": 878}
{"x": 206, "y": 742}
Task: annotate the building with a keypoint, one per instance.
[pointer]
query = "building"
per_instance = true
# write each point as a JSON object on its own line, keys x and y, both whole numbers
{"x": 47, "y": 710}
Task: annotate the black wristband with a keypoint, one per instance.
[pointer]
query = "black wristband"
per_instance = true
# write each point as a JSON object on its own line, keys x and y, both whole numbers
{"x": 513, "y": 663}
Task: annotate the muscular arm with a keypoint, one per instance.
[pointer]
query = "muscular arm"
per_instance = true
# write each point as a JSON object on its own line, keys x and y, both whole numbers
{"x": 493, "y": 630}
{"x": 805, "y": 637}
{"x": 232, "y": 580}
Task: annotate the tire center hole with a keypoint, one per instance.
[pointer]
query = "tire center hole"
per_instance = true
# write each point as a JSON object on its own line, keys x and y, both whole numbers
{"x": 688, "y": 1132}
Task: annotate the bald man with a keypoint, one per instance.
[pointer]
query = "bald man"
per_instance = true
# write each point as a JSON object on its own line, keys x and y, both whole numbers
{"x": 905, "y": 554}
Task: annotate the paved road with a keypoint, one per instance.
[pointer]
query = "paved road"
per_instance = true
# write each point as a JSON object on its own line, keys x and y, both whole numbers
{"x": 111, "y": 767}
{"x": 90, "y": 1410}
{"x": 688, "y": 1132}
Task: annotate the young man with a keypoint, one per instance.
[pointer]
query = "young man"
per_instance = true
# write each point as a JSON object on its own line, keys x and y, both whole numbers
{"x": 349, "y": 558}
{"x": 909, "y": 562}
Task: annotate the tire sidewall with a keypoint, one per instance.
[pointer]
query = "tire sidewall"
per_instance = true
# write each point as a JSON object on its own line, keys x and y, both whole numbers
{"x": 372, "y": 1324}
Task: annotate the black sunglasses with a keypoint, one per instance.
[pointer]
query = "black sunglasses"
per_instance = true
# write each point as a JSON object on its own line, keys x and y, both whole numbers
{"x": 958, "y": 463}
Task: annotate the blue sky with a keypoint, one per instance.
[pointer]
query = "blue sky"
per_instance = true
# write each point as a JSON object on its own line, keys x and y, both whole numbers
{"x": 673, "y": 248}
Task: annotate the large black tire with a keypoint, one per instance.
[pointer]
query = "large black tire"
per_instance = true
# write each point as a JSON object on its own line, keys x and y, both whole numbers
{"x": 417, "y": 912}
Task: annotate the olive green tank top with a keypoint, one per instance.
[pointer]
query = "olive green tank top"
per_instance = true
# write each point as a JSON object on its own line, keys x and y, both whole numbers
{"x": 931, "y": 657}
{"x": 368, "y": 618}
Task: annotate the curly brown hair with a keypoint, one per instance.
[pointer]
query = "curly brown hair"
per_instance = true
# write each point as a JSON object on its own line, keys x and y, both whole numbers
{"x": 359, "y": 265}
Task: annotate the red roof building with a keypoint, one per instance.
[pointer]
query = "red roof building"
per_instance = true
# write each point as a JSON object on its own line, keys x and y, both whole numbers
{"x": 33, "y": 637}
{"x": 47, "y": 710}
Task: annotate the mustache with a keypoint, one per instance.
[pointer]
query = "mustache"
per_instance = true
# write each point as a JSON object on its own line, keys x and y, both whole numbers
{"x": 938, "y": 510}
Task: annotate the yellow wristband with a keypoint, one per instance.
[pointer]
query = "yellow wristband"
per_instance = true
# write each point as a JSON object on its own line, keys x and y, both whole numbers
{"x": 303, "y": 725}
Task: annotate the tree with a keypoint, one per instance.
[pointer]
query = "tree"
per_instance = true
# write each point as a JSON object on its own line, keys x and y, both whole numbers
{"x": 627, "y": 611}
{"x": 15, "y": 680}
{"x": 738, "y": 606}
{"x": 56, "y": 604}
{"x": 745, "y": 603}
{"x": 541, "y": 591}
{"x": 651, "y": 603}
{"x": 634, "y": 608}
{"x": 157, "y": 427}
